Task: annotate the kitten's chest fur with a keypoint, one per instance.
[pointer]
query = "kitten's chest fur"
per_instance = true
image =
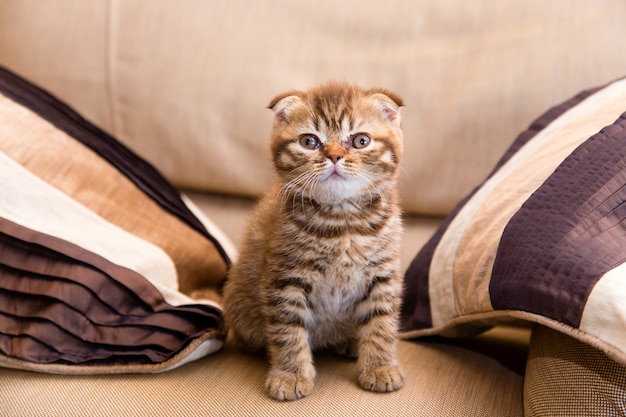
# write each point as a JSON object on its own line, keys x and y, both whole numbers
{"x": 335, "y": 292}
{"x": 341, "y": 251}
{"x": 343, "y": 282}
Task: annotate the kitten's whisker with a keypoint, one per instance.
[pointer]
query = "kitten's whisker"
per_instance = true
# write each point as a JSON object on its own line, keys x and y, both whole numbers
{"x": 304, "y": 189}
{"x": 405, "y": 172}
{"x": 371, "y": 178}
{"x": 291, "y": 187}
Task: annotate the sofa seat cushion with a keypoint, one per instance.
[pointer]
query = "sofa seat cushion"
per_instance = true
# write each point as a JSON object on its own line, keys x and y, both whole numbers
{"x": 442, "y": 379}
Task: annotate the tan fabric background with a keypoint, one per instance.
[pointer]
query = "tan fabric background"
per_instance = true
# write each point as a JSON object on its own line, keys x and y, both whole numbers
{"x": 185, "y": 82}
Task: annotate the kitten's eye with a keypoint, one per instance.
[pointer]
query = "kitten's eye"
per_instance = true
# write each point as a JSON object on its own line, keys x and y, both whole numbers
{"x": 360, "y": 140}
{"x": 310, "y": 142}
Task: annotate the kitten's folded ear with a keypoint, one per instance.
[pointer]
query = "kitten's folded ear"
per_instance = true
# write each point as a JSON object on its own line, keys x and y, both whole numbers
{"x": 388, "y": 103}
{"x": 282, "y": 105}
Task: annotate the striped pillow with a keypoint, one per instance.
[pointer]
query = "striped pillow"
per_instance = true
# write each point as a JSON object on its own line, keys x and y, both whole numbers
{"x": 104, "y": 267}
{"x": 542, "y": 239}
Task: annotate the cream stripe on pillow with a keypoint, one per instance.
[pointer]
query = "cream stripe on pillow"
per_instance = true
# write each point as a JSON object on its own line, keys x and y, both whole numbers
{"x": 574, "y": 126}
{"x": 606, "y": 305}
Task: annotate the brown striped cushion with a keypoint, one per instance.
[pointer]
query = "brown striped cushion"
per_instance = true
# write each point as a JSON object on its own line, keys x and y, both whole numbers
{"x": 104, "y": 267}
{"x": 542, "y": 239}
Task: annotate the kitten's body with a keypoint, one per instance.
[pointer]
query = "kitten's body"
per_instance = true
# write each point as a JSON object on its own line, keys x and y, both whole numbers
{"x": 319, "y": 267}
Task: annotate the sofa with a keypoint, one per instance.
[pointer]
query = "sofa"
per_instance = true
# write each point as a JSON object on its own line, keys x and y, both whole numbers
{"x": 151, "y": 116}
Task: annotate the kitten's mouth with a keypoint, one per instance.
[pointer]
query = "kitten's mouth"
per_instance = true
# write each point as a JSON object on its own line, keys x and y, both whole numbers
{"x": 335, "y": 175}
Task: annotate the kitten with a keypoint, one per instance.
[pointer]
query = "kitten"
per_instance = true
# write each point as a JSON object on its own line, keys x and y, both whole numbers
{"x": 319, "y": 267}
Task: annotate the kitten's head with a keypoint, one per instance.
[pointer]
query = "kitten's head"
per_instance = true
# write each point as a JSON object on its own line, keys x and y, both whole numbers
{"x": 337, "y": 142}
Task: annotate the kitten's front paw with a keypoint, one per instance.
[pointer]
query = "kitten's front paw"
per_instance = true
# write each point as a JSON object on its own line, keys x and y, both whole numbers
{"x": 383, "y": 379}
{"x": 283, "y": 386}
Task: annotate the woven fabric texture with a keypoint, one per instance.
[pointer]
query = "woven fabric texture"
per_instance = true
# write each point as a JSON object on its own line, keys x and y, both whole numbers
{"x": 565, "y": 377}
{"x": 230, "y": 383}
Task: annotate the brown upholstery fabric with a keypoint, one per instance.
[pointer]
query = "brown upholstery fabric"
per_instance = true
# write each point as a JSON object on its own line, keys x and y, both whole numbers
{"x": 565, "y": 377}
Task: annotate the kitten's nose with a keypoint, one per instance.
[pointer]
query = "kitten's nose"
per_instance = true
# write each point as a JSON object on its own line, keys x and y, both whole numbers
{"x": 334, "y": 157}
{"x": 334, "y": 152}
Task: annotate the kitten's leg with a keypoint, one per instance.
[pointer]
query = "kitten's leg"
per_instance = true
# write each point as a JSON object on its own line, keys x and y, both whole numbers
{"x": 377, "y": 316}
{"x": 291, "y": 374}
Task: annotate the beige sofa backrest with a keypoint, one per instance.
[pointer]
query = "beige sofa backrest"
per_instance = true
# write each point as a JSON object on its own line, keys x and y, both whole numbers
{"x": 185, "y": 83}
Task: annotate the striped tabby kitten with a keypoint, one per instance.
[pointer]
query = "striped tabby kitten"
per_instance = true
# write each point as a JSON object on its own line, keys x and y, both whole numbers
{"x": 319, "y": 267}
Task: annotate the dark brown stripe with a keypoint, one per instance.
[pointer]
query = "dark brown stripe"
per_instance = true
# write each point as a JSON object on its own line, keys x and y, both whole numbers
{"x": 32, "y": 242}
{"x": 131, "y": 330}
{"x": 286, "y": 319}
{"x": 568, "y": 234}
{"x": 388, "y": 145}
{"x": 314, "y": 263}
{"x": 377, "y": 280}
{"x": 43, "y": 258}
{"x": 43, "y": 267}
{"x": 297, "y": 282}
{"x": 280, "y": 300}
{"x": 67, "y": 348}
{"x": 283, "y": 149}
{"x": 320, "y": 111}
